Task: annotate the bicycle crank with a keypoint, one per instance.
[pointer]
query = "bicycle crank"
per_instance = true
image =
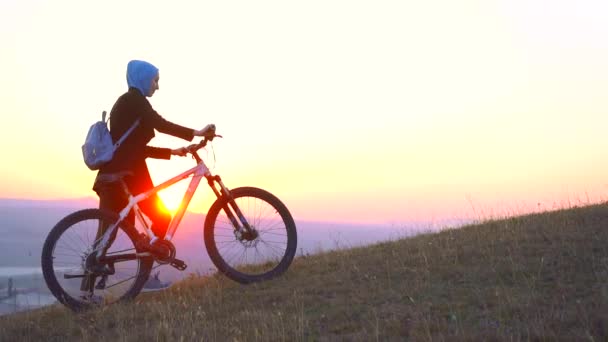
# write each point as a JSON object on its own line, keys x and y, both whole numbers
{"x": 163, "y": 251}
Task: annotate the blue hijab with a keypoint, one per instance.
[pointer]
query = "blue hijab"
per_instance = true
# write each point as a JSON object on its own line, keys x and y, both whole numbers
{"x": 140, "y": 75}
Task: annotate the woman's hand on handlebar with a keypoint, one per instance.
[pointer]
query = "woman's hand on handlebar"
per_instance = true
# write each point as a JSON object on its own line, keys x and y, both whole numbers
{"x": 208, "y": 131}
{"x": 182, "y": 152}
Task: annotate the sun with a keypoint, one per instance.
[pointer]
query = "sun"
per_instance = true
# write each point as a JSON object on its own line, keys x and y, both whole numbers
{"x": 172, "y": 198}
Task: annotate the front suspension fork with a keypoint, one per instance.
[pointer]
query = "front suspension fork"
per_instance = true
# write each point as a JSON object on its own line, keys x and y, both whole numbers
{"x": 229, "y": 206}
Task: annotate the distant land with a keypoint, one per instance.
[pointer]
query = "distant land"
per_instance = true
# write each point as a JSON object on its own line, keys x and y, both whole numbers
{"x": 85, "y": 202}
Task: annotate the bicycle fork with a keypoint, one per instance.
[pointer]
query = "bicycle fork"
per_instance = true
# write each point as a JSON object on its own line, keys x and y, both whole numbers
{"x": 242, "y": 229}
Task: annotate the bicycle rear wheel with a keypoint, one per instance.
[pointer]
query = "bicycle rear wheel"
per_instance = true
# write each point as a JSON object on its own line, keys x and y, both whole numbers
{"x": 258, "y": 258}
{"x": 70, "y": 269}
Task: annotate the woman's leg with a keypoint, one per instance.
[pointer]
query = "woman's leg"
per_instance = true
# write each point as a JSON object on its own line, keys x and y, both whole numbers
{"x": 153, "y": 206}
{"x": 156, "y": 211}
{"x": 111, "y": 198}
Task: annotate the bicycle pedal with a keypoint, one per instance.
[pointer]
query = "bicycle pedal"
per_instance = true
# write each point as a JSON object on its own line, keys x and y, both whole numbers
{"x": 178, "y": 264}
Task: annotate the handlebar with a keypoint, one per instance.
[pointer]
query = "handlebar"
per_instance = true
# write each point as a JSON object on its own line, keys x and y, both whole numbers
{"x": 192, "y": 149}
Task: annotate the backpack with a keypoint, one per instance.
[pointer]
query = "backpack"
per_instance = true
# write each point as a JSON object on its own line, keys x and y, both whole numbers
{"x": 98, "y": 148}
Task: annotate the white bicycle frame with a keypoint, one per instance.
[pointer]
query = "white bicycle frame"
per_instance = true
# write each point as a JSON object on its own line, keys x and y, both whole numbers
{"x": 199, "y": 171}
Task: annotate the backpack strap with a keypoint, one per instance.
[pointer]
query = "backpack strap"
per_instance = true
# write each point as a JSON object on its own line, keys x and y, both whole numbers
{"x": 124, "y": 136}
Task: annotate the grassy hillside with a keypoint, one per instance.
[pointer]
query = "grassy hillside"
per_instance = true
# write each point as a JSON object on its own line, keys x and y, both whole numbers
{"x": 542, "y": 276}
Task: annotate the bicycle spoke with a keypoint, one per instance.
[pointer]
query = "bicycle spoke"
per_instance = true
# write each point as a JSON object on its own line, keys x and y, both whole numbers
{"x": 272, "y": 248}
{"x": 72, "y": 249}
{"x": 234, "y": 258}
{"x": 120, "y": 282}
{"x": 125, "y": 280}
{"x": 231, "y": 248}
{"x": 74, "y": 242}
{"x": 68, "y": 249}
{"x": 265, "y": 232}
{"x": 275, "y": 226}
{"x": 67, "y": 255}
{"x": 257, "y": 252}
{"x": 275, "y": 242}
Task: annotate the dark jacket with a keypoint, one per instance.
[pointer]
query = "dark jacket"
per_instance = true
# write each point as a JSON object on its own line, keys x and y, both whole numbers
{"x": 134, "y": 150}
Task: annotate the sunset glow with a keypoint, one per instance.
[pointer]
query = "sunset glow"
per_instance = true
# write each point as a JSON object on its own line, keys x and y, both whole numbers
{"x": 171, "y": 198}
{"x": 358, "y": 111}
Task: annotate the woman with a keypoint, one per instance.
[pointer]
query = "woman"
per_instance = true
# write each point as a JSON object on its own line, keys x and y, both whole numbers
{"x": 142, "y": 78}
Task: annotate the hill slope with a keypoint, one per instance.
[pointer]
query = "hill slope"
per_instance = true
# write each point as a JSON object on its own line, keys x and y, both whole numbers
{"x": 539, "y": 276}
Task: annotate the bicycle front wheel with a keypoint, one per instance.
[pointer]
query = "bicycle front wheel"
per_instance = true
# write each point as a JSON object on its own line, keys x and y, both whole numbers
{"x": 71, "y": 271}
{"x": 262, "y": 256}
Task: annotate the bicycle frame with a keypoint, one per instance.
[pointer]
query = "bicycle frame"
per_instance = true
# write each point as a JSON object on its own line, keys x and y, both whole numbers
{"x": 199, "y": 171}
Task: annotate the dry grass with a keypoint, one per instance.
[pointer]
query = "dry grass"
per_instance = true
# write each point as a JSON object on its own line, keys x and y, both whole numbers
{"x": 535, "y": 277}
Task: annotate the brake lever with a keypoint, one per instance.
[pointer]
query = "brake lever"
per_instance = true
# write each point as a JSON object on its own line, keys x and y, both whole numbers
{"x": 195, "y": 147}
{"x": 214, "y": 136}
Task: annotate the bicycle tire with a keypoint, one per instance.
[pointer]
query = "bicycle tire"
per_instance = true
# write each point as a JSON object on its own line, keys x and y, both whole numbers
{"x": 211, "y": 228}
{"x": 50, "y": 244}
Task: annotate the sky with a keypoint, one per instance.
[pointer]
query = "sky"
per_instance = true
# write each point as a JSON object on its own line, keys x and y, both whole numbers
{"x": 353, "y": 111}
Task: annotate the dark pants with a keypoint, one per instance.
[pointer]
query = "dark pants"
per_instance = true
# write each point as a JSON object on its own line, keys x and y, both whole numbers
{"x": 112, "y": 197}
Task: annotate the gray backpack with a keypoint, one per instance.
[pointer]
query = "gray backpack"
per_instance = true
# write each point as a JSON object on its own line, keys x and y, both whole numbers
{"x": 98, "y": 148}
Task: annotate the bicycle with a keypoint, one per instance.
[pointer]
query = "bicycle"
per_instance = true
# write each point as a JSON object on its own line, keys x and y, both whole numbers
{"x": 241, "y": 226}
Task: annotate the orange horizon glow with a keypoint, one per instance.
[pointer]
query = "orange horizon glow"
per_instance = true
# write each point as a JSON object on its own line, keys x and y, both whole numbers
{"x": 404, "y": 210}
